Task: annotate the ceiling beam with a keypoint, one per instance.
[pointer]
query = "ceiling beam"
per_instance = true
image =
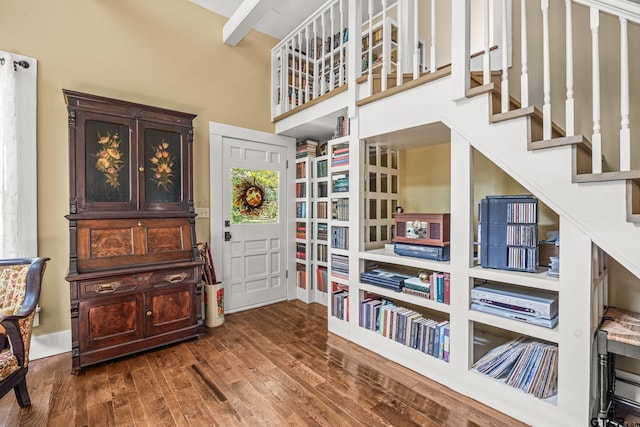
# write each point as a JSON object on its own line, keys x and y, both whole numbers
{"x": 244, "y": 18}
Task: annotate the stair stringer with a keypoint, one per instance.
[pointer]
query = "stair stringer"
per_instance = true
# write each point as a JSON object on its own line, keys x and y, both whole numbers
{"x": 598, "y": 209}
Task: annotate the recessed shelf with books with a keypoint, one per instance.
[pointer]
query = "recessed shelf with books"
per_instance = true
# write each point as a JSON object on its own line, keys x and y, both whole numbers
{"x": 410, "y": 326}
{"x": 519, "y": 362}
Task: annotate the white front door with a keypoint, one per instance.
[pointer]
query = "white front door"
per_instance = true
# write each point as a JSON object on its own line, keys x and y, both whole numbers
{"x": 253, "y": 214}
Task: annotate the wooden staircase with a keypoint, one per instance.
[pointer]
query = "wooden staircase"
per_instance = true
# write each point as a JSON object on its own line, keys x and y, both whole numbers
{"x": 582, "y": 153}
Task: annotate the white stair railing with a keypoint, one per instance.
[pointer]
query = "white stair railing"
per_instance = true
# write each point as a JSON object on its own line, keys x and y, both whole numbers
{"x": 311, "y": 60}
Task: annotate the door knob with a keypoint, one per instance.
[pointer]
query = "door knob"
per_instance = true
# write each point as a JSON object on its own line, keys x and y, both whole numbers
{"x": 227, "y": 236}
{"x": 149, "y": 313}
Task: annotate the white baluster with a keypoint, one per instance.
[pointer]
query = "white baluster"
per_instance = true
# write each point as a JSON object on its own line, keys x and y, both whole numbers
{"x": 433, "y": 67}
{"x": 370, "y": 53}
{"x": 323, "y": 83}
{"x": 331, "y": 48}
{"x": 400, "y": 45}
{"x": 300, "y": 98}
{"x": 316, "y": 83}
{"x": 416, "y": 42}
{"x": 569, "y": 103}
{"x": 625, "y": 131}
{"x": 342, "y": 61}
{"x": 386, "y": 42}
{"x": 504, "y": 87}
{"x": 524, "y": 77}
{"x": 486, "y": 62}
{"x": 596, "y": 140}
{"x": 546, "y": 64}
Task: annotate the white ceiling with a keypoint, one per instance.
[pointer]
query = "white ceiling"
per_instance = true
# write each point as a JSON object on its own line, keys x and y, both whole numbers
{"x": 282, "y": 18}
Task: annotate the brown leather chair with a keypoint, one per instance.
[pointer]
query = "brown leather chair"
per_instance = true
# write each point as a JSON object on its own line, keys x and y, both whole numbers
{"x": 20, "y": 282}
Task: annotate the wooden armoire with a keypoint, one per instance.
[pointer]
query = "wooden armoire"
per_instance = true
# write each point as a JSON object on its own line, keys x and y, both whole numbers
{"x": 134, "y": 265}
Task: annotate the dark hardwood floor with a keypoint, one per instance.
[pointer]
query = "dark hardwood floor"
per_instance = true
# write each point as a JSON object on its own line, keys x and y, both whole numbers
{"x": 272, "y": 366}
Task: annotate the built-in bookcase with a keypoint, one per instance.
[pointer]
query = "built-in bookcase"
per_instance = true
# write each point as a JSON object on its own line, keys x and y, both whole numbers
{"x": 320, "y": 221}
{"x": 304, "y": 228}
{"x": 341, "y": 193}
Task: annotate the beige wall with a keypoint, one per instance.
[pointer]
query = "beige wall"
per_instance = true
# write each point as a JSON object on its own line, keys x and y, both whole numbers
{"x": 425, "y": 183}
{"x": 165, "y": 53}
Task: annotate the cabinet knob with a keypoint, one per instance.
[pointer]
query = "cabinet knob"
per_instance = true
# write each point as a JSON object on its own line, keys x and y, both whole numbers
{"x": 139, "y": 224}
{"x": 141, "y": 168}
{"x": 149, "y": 313}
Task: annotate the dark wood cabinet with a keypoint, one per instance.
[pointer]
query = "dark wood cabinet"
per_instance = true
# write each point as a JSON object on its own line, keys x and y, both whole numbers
{"x": 134, "y": 266}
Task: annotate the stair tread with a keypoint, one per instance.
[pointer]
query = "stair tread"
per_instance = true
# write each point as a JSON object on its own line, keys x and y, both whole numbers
{"x": 607, "y": 176}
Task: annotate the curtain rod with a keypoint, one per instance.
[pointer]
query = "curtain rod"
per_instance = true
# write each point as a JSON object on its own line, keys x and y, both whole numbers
{"x": 24, "y": 64}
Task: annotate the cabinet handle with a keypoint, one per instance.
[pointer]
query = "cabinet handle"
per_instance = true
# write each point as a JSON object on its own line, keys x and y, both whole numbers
{"x": 107, "y": 288}
{"x": 175, "y": 278}
{"x": 149, "y": 313}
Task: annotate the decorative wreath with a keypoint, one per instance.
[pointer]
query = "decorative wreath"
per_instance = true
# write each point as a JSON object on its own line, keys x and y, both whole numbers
{"x": 250, "y": 196}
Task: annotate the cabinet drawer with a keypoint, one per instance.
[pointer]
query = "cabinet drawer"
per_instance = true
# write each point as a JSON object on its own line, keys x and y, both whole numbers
{"x": 175, "y": 276}
{"x": 115, "y": 243}
{"x": 113, "y": 285}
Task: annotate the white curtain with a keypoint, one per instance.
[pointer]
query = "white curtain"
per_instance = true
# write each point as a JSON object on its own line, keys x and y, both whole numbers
{"x": 8, "y": 159}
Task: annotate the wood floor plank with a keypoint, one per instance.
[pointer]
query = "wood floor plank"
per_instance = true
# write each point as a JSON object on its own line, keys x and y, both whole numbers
{"x": 275, "y": 365}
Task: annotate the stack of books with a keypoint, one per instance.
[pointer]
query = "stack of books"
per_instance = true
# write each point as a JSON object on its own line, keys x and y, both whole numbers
{"x": 306, "y": 148}
{"x": 340, "y": 155}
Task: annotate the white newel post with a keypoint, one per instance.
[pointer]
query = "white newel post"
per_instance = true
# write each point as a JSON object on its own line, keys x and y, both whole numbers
{"x": 460, "y": 19}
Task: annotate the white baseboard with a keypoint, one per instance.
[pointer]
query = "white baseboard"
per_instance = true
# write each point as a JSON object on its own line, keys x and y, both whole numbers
{"x": 50, "y": 345}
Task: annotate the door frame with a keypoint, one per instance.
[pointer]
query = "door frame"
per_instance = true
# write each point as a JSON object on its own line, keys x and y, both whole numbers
{"x": 217, "y": 133}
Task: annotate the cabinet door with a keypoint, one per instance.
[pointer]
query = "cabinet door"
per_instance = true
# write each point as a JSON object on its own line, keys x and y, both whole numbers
{"x": 164, "y": 167}
{"x": 104, "y": 151}
{"x": 110, "y": 321}
{"x": 170, "y": 308}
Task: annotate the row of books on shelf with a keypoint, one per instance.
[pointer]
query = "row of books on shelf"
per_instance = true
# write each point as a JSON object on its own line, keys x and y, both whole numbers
{"x": 340, "y": 155}
{"x": 323, "y": 253}
{"x": 321, "y": 279}
{"x": 322, "y": 189}
{"x": 340, "y": 209}
{"x": 321, "y": 210}
{"x": 340, "y": 266}
{"x": 306, "y": 148}
{"x": 301, "y": 276}
{"x": 437, "y": 287}
{"x": 301, "y": 209}
{"x": 301, "y": 250}
{"x": 340, "y": 237}
{"x": 301, "y": 230}
{"x": 340, "y": 304}
{"x": 322, "y": 231}
{"x": 340, "y": 182}
{"x": 322, "y": 167}
{"x": 525, "y": 363}
{"x": 301, "y": 189}
{"x": 301, "y": 170}
{"x": 406, "y": 326}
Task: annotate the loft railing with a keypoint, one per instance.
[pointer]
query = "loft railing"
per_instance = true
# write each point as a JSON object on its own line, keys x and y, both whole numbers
{"x": 571, "y": 61}
{"x": 396, "y": 39}
{"x": 312, "y": 60}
